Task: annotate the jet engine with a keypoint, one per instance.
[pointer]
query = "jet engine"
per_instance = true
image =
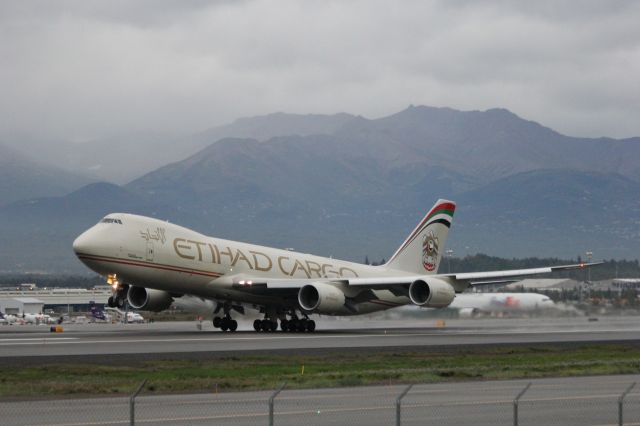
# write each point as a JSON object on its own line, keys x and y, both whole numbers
{"x": 431, "y": 293}
{"x": 148, "y": 299}
{"x": 321, "y": 298}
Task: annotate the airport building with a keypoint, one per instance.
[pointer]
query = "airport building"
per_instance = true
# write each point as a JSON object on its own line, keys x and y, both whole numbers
{"x": 21, "y": 305}
{"x": 626, "y": 283}
{"x": 58, "y": 300}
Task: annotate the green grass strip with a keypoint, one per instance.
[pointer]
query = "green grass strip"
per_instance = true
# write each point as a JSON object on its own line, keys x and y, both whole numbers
{"x": 258, "y": 372}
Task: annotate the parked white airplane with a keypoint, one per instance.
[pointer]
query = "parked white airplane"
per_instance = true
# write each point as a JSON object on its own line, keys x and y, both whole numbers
{"x": 134, "y": 317}
{"x": 150, "y": 262}
{"x": 37, "y": 319}
{"x": 30, "y": 318}
{"x": 7, "y": 319}
{"x": 471, "y": 304}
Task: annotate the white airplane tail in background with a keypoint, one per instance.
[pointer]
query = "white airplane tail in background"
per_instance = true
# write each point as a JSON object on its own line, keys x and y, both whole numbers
{"x": 422, "y": 251}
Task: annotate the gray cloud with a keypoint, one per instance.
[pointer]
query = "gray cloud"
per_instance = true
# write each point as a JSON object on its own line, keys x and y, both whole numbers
{"x": 84, "y": 69}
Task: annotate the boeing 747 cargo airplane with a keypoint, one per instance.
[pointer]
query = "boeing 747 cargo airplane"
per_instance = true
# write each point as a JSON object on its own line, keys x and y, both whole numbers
{"x": 149, "y": 263}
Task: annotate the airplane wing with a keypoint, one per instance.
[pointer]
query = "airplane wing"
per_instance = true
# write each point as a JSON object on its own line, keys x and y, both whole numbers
{"x": 500, "y": 277}
{"x": 399, "y": 284}
{"x": 461, "y": 281}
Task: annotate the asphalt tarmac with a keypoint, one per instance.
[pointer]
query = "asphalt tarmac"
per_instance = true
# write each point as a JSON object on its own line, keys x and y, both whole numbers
{"x": 185, "y": 339}
{"x": 561, "y": 401}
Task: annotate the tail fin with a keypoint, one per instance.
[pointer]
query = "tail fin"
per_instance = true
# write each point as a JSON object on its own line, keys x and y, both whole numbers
{"x": 422, "y": 251}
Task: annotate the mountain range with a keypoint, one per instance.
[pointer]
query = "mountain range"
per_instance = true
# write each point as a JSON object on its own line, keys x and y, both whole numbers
{"x": 352, "y": 187}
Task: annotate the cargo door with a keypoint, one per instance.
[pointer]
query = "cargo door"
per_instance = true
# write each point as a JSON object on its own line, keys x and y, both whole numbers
{"x": 149, "y": 251}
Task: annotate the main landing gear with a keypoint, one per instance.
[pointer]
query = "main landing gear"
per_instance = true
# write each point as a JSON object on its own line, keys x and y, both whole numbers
{"x": 298, "y": 325}
{"x": 225, "y": 323}
{"x": 293, "y": 325}
{"x": 265, "y": 325}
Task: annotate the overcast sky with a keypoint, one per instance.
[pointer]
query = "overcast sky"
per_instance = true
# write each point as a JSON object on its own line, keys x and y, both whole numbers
{"x": 82, "y": 70}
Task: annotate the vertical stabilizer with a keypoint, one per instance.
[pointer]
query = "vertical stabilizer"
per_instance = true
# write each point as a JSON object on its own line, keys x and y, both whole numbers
{"x": 422, "y": 251}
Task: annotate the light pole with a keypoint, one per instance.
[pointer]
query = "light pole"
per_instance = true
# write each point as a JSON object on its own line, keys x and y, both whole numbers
{"x": 449, "y": 254}
{"x": 589, "y": 255}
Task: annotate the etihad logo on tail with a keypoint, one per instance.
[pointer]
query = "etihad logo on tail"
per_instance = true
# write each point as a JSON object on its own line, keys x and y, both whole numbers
{"x": 430, "y": 251}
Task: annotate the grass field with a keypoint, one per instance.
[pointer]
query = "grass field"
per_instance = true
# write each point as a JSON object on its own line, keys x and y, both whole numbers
{"x": 254, "y": 372}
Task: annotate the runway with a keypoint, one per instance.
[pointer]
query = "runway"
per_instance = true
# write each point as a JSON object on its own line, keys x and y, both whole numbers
{"x": 184, "y": 339}
{"x": 565, "y": 401}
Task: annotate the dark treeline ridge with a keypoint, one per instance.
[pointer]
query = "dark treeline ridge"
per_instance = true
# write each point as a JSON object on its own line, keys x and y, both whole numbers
{"x": 52, "y": 280}
{"x": 482, "y": 262}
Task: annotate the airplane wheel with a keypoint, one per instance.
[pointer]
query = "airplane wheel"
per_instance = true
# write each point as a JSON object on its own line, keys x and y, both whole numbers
{"x": 224, "y": 324}
{"x": 311, "y": 326}
{"x": 273, "y": 325}
{"x": 284, "y": 325}
{"x": 302, "y": 326}
{"x": 233, "y": 325}
{"x": 119, "y": 302}
{"x": 257, "y": 325}
{"x": 216, "y": 322}
{"x": 110, "y": 302}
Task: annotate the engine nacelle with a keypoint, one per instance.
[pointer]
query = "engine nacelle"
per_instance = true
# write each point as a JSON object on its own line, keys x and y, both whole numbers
{"x": 431, "y": 293}
{"x": 147, "y": 299}
{"x": 322, "y": 298}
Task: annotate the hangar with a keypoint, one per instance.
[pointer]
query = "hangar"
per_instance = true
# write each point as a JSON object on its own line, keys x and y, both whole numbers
{"x": 21, "y": 305}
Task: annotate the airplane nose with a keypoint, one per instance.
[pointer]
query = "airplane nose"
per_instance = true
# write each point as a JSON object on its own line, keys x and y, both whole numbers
{"x": 81, "y": 244}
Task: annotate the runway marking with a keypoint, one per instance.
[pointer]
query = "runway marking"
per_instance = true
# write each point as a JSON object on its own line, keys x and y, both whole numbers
{"x": 476, "y": 335}
{"x": 38, "y": 338}
{"x": 78, "y": 340}
{"x": 232, "y": 337}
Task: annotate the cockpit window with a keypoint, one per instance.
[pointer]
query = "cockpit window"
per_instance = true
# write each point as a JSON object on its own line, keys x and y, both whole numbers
{"x": 111, "y": 220}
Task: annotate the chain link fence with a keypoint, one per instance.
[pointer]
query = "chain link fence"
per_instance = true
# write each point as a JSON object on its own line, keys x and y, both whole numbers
{"x": 547, "y": 402}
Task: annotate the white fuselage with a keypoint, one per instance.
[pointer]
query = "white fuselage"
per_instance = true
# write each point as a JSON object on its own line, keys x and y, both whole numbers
{"x": 154, "y": 254}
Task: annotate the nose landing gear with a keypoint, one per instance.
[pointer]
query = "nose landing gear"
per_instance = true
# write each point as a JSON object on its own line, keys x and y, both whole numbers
{"x": 118, "y": 299}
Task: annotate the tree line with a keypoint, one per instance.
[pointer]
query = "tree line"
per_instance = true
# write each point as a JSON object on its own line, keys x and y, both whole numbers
{"x": 482, "y": 262}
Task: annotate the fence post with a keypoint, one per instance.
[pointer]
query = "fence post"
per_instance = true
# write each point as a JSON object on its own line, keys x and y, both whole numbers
{"x": 132, "y": 403}
{"x": 271, "y": 402}
{"x": 621, "y": 403}
{"x": 399, "y": 401}
{"x": 515, "y": 403}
